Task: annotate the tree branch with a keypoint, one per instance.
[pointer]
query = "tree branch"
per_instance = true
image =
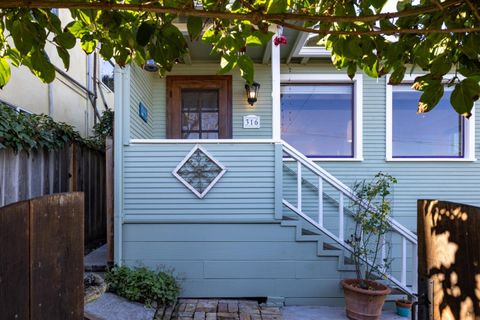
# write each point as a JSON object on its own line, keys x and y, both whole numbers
{"x": 254, "y": 16}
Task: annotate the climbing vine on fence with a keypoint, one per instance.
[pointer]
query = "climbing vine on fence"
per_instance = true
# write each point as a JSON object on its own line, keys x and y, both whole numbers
{"x": 21, "y": 131}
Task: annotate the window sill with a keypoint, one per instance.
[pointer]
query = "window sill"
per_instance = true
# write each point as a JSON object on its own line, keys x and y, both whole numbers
{"x": 389, "y": 159}
{"x": 330, "y": 159}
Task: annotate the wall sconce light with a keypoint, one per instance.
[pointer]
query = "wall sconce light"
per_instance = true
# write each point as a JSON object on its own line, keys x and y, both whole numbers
{"x": 150, "y": 66}
{"x": 252, "y": 92}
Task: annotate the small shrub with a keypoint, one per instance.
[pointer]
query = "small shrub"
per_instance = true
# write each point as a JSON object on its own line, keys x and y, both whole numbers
{"x": 143, "y": 285}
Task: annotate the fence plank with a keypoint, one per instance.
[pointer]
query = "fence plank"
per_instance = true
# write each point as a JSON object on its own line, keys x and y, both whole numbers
{"x": 14, "y": 261}
{"x": 57, "y": 261}
{"x": 43, "y": 172}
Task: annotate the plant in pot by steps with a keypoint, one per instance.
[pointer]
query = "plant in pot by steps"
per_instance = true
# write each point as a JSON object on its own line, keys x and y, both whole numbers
{"x": 404, "y": 307}
{"x": 364, "y": 297}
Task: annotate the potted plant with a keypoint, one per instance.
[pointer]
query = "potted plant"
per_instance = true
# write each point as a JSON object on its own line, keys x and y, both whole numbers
{"x": 364, "y": 297}
{"x": 404, "y": 307}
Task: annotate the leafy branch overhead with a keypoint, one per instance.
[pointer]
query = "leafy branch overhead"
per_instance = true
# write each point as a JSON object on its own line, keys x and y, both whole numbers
{"x": 439, "y": 37}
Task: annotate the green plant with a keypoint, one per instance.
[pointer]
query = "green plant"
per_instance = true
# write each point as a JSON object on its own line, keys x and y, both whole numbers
{"x": 143, "y": 285}
{"x": 104, "y": 128}
{"x": 21, "y": 131}
{"x": 371, "y": 211}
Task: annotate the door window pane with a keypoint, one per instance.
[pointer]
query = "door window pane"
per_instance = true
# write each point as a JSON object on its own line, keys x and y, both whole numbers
{"x": 318, "y": 119}
{"x": 200, "y": 114}
{"x": 438, "y": 133}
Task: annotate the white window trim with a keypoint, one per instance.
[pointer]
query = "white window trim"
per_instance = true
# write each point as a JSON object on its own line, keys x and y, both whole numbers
{"x": 357, "y": 105}
{"x": 469, "y": 131}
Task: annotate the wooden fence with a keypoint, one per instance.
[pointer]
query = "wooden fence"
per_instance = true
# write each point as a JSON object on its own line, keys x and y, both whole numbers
{"x": 448, "y": 260}
{"x": 75, "y": 168}
{"x": 41, "y": 261}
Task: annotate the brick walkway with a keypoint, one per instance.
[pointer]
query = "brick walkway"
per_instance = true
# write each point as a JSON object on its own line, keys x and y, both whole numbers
{"x": 211, "y": 309}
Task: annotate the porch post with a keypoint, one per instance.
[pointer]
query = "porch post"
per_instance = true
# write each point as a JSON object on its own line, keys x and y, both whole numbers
{"x": 276, "y": 114}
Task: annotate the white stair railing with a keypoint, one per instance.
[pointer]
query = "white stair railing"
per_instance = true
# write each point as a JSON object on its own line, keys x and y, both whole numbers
{"x": 406, "y": 236}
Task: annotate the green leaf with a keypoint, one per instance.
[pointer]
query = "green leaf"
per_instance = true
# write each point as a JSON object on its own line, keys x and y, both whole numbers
{"x": 352, "y": 69}
{"x": 227, "y": 63}
{"x": 144, "y": 33}
{"x": 464, "y": 95}
{"x": 253, "y": 41}
{"x": 378, "y": 4}
{"x": 14, "y": 55}
{"x": 441, "y": 65}
{"x": 194, "y": 26}
{"x": 65, "y": 56}
{"x": 22, "y": 37}
{"x": 88, "y": 43}
{"x": 277, "y": 6}
{"x": 432, "y": 93}
{"x": 397, "y": 75}
{"x": 246, "y": 68}
{"x": 5, "y": 72}
{"x": 42, "y": 67}
{"x": 106, "y": 51}
{"x": 66, "y": 40}
{"x": 77, "y": 28}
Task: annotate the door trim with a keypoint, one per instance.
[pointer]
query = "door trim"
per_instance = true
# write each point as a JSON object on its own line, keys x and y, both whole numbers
{"x": 175, "y": 84}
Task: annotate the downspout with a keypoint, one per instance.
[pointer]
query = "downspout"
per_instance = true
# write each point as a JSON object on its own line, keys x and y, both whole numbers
{"x": 50, "y": 99}
{"x": 94, "y": 85}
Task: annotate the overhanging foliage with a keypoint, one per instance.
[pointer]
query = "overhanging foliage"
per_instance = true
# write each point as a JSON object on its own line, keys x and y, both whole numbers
{"x": 435, "y": 36}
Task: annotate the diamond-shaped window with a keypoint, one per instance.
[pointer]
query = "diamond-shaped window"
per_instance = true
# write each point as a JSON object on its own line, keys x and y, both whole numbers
{"x": 199, "y": 171}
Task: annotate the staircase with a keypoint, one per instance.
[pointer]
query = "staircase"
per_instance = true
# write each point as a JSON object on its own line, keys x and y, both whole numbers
{"x": 316, "y": 205}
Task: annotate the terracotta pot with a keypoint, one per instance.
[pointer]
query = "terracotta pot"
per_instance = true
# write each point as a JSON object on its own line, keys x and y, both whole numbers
{"x": 364, "y": 304}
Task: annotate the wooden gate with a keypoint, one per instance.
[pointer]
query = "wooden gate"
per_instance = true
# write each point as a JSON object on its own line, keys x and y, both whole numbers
{"x": 449, "y": 260}
{"x": 75, "y": 168}
{"x": 41, "y": 260}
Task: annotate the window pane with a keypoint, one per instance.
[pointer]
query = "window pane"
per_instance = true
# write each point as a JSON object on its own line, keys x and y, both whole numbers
{"x": 190, "y": 135}
{"x": 209, "y": 121}
{"x": 107, "y": 74}
{"x": 190, "y": 121}
{"x": 318, "y": 119}
{"x": 438, "y": 133}
{"x": 209, "y": 135}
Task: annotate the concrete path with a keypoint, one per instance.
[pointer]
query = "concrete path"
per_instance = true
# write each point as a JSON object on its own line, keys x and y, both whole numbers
{"x": 325, "y": 313}
{"x": 113, "y": 307}
{"x": 96, "y": 260}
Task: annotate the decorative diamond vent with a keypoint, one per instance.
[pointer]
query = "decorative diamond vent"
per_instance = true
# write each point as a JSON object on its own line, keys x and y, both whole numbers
{"x": 199, "y": 171}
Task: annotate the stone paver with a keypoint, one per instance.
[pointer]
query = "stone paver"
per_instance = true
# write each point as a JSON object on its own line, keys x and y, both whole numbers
{"x": 326, "y": 313}
{"x": 214, "y": 309}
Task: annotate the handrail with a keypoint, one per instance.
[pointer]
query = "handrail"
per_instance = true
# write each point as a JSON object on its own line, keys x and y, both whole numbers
{"x": 323, "y": 175}
{"x": 340, "y": 186}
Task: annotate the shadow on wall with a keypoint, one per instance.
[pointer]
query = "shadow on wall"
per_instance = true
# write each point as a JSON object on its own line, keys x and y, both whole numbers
{"x": 449, "y": 259}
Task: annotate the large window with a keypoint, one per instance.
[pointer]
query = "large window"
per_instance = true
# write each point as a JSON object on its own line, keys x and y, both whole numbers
{"x": 318, "y": 119}
{"x": 439, "y": 133}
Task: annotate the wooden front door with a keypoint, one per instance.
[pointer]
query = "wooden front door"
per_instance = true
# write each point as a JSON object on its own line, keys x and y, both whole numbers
{"x": 199, "y": 107}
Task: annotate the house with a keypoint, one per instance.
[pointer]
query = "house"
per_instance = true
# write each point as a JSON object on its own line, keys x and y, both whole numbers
{"x": 253, "y": 200}
{"x": 77, "y": 96}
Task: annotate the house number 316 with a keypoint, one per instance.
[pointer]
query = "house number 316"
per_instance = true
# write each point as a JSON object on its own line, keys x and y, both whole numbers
{"x": 251, "y": 122}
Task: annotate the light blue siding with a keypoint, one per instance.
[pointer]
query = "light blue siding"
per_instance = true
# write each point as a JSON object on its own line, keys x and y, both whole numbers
{"x": 141, "y": 90}
{"x": 247, "y": 187}
{"x": 236, "y": 260}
